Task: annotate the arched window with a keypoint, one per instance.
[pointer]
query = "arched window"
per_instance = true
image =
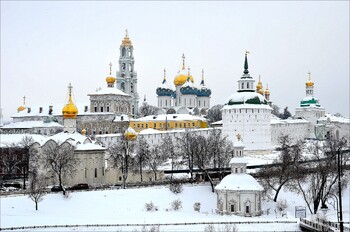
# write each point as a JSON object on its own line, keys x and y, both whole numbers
{"x": 95, "y": 172}
{"x": 123, "y": 52}
{"x": 247, "y": 85}
{"x": 122, "y": 85}
{"x": 132, "y": 88}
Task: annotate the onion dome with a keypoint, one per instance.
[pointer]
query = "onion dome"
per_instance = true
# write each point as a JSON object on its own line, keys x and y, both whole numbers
{"x": 182, "y": 76}
{"x": 188, "y": 87}
{"x": 70, "y": 110}
{"x": 259, "y": 85}
{"x": 309, "y": 83}
{"x": 203, "y": 91}
{"x": 130, "y": 134}
{"x": 21, "y": 108}
{"x": 261, "y": 91}
{"x": 126, "y": 41}
{"x": 164, "y": 89}
{"x": 110, "y": 80}
{"x": 267, "y": 92}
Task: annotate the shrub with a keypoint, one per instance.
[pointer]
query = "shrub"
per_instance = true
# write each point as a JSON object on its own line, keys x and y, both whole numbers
{"x": 176, "y": 204}
{"x": 209, "y": 228}
{"x": 281, "y": 205}
{"x": 197, "y": 206}
{"x": 151, "y": 206}
{"x": 228, "y": 228}
{"x": 176, "y": 187}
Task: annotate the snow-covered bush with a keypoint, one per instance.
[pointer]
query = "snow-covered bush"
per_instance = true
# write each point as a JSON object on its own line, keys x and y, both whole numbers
{"x": 227, "y": 228}
{"x": 176, "y": 187}
{"x": 281, "y": 205}
{"x": 151, "y": 206}
{"x": 176, "y": 204}
{"x": 197, "y": 206}
{"x": 209, "y": 228}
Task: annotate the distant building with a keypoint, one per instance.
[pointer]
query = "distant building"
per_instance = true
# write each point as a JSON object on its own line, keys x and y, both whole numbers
{"x": 186, "y": 95}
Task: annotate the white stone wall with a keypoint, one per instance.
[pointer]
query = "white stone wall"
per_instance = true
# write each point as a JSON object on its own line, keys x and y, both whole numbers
{"x": 253, "y": 124}
{"x": 296, "y": 129}
{"x": 240, "y": 199}
{"x": 203, "y": 102}
{"x": 164, "y": 102}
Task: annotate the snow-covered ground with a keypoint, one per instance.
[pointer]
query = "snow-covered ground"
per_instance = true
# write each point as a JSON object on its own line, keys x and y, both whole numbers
{"x": 121, "y": 206}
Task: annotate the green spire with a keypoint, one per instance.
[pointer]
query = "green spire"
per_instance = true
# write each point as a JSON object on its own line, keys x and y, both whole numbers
{"x": 246, "y": 64}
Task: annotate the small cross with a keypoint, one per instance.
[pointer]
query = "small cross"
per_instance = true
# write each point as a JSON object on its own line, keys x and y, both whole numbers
{"x": 238, "y": 137}
{"x": 110, "y": 68}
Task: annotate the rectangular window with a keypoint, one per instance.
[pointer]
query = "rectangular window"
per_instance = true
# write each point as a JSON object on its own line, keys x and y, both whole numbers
{"x": 232, "y": 208}
{"x": 247, "y": 208}
{"x": 101, "y": 109}
{"x": 103, "y": 171}
{"x": 95, "y": 172}
{"x": 95, "y": 109}
{"x": 154, "y": 125}
{"x": 107, "y": 108}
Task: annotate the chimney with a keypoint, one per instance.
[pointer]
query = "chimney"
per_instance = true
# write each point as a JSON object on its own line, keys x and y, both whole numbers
{"x": 85, "y": 108}
{"x": 29, "y": 110}
{"x": 50, "y": 110}
{"x": 40, "y": 110}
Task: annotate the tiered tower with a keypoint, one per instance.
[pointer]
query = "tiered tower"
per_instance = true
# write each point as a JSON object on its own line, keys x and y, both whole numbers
{"x": 248, "y": 113}
{"x": 126, "y": 76}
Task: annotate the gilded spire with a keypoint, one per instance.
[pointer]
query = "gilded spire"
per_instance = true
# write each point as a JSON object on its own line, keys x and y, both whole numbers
{"x": 24, "y": 100}
{"x": 164, "y": 80}
{"x": 110, "y": 68}
{"x": 246, "y": 63}
{"x": 202, "y": 82}
{"x": 126, "y": 41}
{"x": 309, "y": 83}
{"x": 110, "y": 80}
{"x": 183, "y": 61}
{"x": 70, "y": 110}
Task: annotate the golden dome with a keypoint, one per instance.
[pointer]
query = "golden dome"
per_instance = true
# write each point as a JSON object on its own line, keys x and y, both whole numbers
{"x": 110, "y": 80}
{"x": 126, "y": 41}
{"x": 182, "y": 77}
{"x": 21, "y": 108}
{"x": 267, "y": 92}
{"x": 259, "y": 86}
{"x": 83, "y": 131}
{"x": 261, "y": 91}
{"x": 70, "y": 110}
{"x": 130, "y": 134}
{"x": 309, "y": 83}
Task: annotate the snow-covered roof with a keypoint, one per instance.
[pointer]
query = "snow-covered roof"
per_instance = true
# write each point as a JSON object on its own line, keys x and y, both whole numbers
{"x": 149, "y": 131}
{"x": 109, "y": 90}
{"x": 238, "y": 160}
{"x": 169, "y": 117}
{"x": 7, "y": 139}
{"x": 121, "y": 118}
{"x": 56, "y": 110}
{"x": 238, "y": 143}
{"x": 334, "y": 118}
{"x": 89, "y": 146}
{"x": 276, "y": 120}
{"x": 239, "y": 181}
{"x": 73, "y": 138}
{"x": 243, "y": 97}
{"x": 31, "y": 124}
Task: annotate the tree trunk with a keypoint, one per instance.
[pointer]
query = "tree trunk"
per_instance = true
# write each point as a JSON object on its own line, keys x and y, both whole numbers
{"x": 36, "y": 205}
{"x": 276, "y": 194}
{"x": 24, "y": 177}
{"x": 155, "y": 175}
{"x": 60, "y": 182}
{"x": 141, "y": 170}
{"x": 209, "y": 178}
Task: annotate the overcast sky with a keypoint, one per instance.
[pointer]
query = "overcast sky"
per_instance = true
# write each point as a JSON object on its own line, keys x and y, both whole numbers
{"x": 46, "y": 45}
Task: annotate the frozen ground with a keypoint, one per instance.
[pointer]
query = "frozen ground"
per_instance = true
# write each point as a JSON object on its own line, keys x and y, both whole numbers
{"x": 128, "y": 206}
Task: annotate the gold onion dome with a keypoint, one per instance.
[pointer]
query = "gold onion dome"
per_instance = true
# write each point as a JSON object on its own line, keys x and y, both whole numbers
{"x": 110, "y": 80}
{"x": 126, "y": 41}
{"x": 83, "y": 131}
{"x": 261, "y": 91}
{"x": 309, "y": 83}
{"x": 267, "y": 92}
{"x": 70, "y": 110}
{"x": 182, "y": 76}
{"x": 130, "y": 134}
{"x": 21, "y": 108}
{"x": 259, "y": 85}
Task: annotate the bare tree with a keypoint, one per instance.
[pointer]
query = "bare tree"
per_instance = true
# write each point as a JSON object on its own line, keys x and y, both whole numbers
{"x": 146, "y": 109}
{"x": 185, "y": 145}
{"x": 121, "y": 155}
{"x": 168, "y": 149}
{"x": 156, "y": 159}
{"x": 322, "y": 174}
{"x": 26, "y": 144}
{"x": 142, "y": 154}
{"x": 60, "y": 160}
{"x": 220, "y": 149}
{"x": 37, "y": 188}
{"x": 285, "y": 167}
{"x": 214, "y": 113}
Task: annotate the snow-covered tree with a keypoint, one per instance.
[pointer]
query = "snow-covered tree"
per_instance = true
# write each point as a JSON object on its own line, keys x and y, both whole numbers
{"x": 214, "y": 113}
{"x": 142, "y": 154}
{"x": 168, "y": 149}
{"x": 37, "y": 188}
{"x": 156, "y": 160}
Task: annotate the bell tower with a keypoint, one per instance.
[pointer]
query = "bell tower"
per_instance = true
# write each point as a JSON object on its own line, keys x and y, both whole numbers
{"x": 126, "y": 76}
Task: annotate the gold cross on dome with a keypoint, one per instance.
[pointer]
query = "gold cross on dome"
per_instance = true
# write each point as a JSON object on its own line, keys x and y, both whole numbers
{"x": 238, "y": 137}
{"x": 110, "y": 68}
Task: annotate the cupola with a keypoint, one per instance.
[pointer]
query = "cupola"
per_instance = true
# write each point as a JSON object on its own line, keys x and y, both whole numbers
{"x": 182, "y": 76}
{"x": 130, "y": 134}
{"x": 110, "y": 80}
{"x": 70, "y": 110}
{"x": 203, "y": 90}
{"x": 164, "y": 89}
{"x": 188, "y": 87}
{"x": 22, "y": 107}
{"x": 126, "y": 42}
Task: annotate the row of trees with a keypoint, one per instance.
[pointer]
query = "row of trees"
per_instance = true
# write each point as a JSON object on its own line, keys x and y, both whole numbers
{"x": 313, "y": 175}
{"x": 188, "y": 150}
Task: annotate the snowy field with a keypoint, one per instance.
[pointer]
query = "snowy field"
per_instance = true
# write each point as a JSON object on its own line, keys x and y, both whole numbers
{"x": 121, "y": 206}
